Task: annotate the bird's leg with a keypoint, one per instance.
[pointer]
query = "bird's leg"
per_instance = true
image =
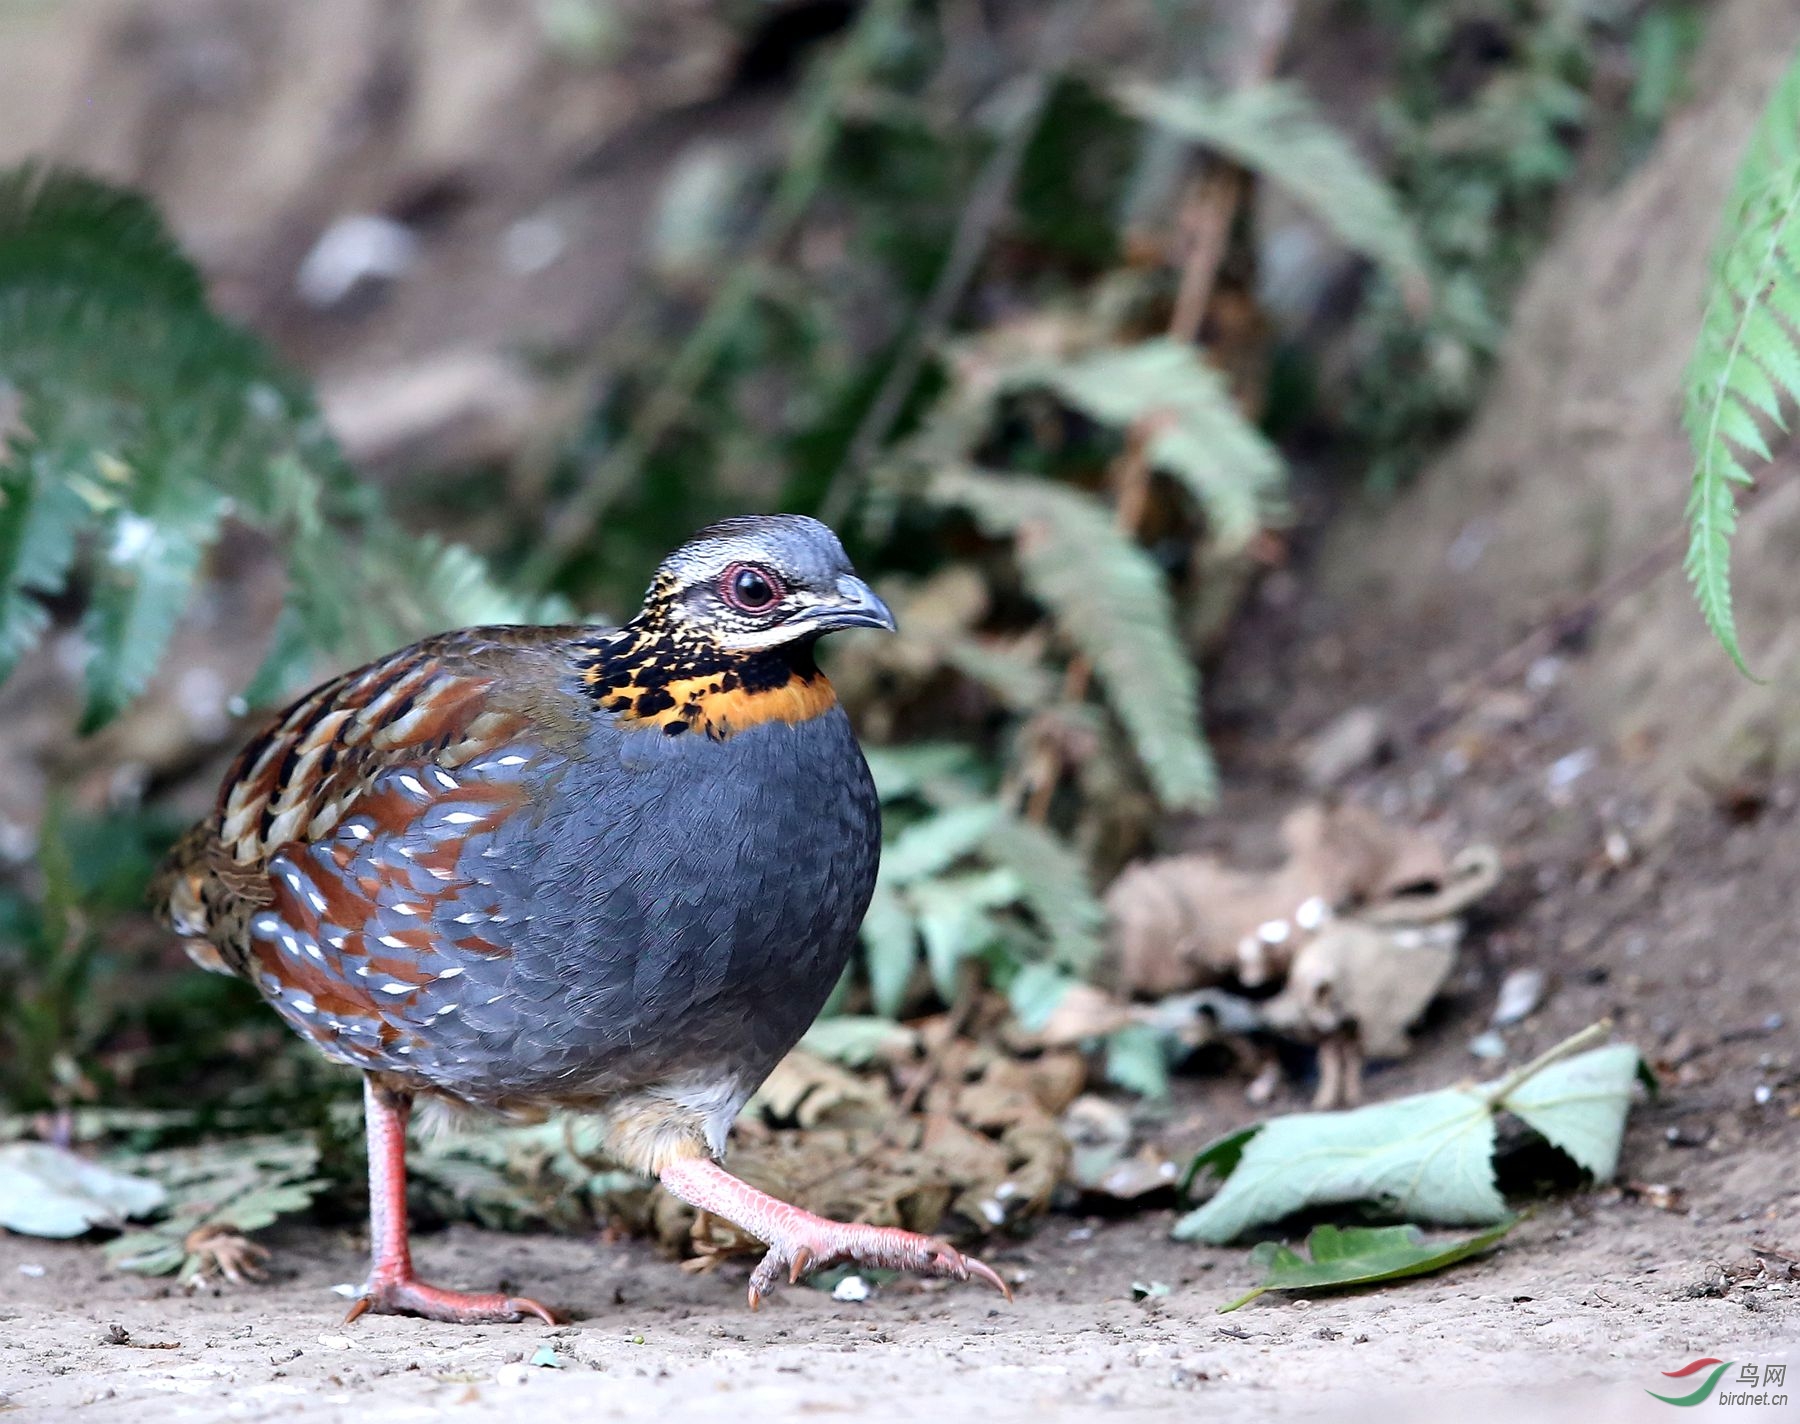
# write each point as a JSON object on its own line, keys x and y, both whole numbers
{"x": 392, "y": 1288}
{"x": 800, "y": 1242}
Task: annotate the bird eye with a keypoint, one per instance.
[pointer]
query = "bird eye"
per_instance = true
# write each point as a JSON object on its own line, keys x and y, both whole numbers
{"x": 749, "y": 589}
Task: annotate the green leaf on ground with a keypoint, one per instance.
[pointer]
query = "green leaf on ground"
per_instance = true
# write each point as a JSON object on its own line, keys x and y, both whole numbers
{"x": 1579, "y": 1106}
{"x": 1428, "y": 1157}
{"x": 49, "y": 1191}
{"x": 1361, "y": 1255}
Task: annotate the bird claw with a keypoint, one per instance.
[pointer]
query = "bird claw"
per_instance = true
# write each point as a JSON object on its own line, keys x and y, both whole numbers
{"x": 223, "y": 1251}
{"x": 882, "y": 1247}
{"x": 410, "y": 1297}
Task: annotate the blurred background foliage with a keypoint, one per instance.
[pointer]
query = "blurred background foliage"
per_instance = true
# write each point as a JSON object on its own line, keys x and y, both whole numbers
{"x": 1054, "y": 310}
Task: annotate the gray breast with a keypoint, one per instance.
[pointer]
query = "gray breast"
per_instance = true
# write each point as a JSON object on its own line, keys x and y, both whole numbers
{"x": 674, "y": 907}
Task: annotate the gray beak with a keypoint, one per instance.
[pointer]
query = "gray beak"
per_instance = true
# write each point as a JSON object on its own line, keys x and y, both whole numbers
{"x": 857, "y": 606}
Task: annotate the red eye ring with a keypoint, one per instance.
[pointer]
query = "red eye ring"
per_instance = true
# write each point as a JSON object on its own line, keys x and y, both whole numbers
{"x": 750, "y": 588}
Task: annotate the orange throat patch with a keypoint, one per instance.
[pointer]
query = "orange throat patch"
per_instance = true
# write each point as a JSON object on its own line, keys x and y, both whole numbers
{"x": 702, "y": 704}
{"x": 647, "y": 684}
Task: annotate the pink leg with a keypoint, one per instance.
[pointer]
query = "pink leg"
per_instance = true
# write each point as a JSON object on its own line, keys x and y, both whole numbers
{"x": 800, "y": 1242}
{"x": 392, "y": 1288}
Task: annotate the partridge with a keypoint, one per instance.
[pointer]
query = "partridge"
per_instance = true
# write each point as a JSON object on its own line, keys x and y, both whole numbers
{"x": 614, "y": 871}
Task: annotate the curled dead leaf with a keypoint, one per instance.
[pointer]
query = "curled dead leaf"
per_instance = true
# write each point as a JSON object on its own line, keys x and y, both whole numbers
{"x": 1186, "y": 922}
{"x": 1375, "y": 979}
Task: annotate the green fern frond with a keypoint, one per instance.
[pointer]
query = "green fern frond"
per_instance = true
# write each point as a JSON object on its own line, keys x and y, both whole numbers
{"x": 1053, "y": 885}
{"x": 1274, "y": 131}
{"x": 40, "y": 518}
{"x": 970, "y": 878}
{"x": 1138, "y": 1061}
{"x": 1198, "y": 433}
{"x": 133, "y": 420}
{"x": 928, "y": 848}
{"x": 890, "y": 939}
{"x": 1110, "y": 601}
{"x": 923, "y": 769}
{"x": 1746, "y": 367}
{"x": 957, "y": 920}
{"x": 148, "y": 559}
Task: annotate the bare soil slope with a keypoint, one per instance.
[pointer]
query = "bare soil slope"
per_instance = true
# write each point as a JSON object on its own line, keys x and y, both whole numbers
{"x": 1578, "y": 465}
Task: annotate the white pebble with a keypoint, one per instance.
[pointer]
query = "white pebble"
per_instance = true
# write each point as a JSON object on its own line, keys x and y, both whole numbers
{"x": 355, "y": 249}
{"x": 1312, "y": 913}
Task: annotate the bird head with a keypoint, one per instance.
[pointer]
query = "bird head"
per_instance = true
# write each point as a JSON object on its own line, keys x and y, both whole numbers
{"x": 761, "y": 582}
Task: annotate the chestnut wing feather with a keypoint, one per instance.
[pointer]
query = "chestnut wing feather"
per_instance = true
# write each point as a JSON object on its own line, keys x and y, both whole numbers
{"x": 414, "y": 753}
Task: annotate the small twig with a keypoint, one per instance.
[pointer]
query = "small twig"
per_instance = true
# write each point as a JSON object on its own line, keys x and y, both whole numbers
{"x": 1209, "y": 215}
{"x": 1569, "y": 623}
{"x": 974, "y": 229}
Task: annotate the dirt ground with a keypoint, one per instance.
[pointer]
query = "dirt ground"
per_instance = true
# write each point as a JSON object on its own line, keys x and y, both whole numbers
{"x": 1571, "y": 1321}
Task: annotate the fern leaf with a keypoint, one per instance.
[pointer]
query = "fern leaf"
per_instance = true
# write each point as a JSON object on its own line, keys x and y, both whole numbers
{"x": 891, "y": 948}
{"x": 1035, "y": 992}
{"x": 1200, "y": 435}
{"x": 953, "y": 885}
{"x": 1053, "y": 884}
{"x": 921, "y": 769}
{"x": 40, "y": 516}
{"x": 956, "y": 921}
{"x": 1273, "y": 130}
{"x": 1746, "y": 365}
{"x": 930, "y": 847}
{"x": 1110, "y": 602}
{"x": 150, "y": 557}
{"x": 132, "y": 417}
{"x": 1137, "y": 1061}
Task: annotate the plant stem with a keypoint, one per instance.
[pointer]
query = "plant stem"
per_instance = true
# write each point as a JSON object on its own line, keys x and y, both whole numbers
{"x": 985, "y": 206}
{"x": 1570, "y": 1046}
{"x": 615, "y": 472}
{"x": 1211, "y": 207}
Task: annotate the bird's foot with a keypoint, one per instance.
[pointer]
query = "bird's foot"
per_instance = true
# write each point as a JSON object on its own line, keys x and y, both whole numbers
{"x": 223, "y": 1251}
{"x": 800, "y": 1242}
{"x": 804, "y": 1243}
{"x": 405, "y": 1296}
